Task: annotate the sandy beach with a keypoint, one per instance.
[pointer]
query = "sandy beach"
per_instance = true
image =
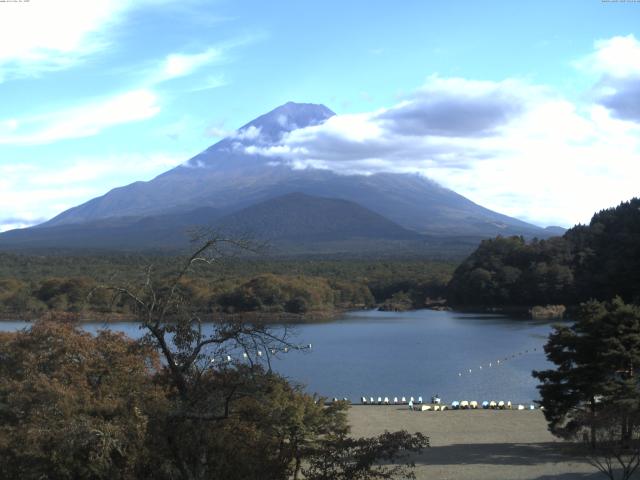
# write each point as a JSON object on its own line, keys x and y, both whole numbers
{"x": 478, "y": 444}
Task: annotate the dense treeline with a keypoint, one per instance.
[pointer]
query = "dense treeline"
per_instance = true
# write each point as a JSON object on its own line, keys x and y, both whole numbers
{"x": 31, "y": 286}
{"x": 595, "y": 261}
{"x": 180, "y": 403}
{"x": 78, "y": 406}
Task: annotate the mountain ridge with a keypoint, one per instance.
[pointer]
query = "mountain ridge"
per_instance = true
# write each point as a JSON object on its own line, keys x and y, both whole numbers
{"x": 227, "y": 179}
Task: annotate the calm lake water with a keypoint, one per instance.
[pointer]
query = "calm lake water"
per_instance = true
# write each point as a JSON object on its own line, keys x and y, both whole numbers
{"x": 417, "y": 353}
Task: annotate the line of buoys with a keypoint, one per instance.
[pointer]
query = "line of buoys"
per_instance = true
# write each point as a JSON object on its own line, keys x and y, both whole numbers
{"x": 259, "y": 353}
{"x": 498, "y": 361}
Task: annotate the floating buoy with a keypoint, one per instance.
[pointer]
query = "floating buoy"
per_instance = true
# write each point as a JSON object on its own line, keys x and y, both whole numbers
{"x": 259, "y": 353}
{"x": 459, "y": 374}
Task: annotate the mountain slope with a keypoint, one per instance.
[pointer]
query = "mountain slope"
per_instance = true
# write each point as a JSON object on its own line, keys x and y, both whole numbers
{"x": 298, "y": 217}
{"x": 283, "y": 222}
{"x": 228, "y": 178}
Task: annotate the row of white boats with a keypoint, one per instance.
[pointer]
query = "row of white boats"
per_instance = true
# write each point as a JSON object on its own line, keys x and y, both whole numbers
{"x": 437, "y": 405}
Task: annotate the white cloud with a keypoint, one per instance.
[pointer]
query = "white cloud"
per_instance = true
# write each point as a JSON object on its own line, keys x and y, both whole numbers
{"x": 40, "y": 36}
{"x": 617, "y": 63}
{"x": 516, "y": 148}
{"x": 178, "y": 65}
{"x": 81, "y": 121}
{"x": 617, "y": 56}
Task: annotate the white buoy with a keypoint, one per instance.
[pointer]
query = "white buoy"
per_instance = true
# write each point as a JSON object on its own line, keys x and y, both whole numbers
{"x": 228, "y": 358}
{"x": 245, "y": 355}
{"x": 469, "y": 370}
{"x": 459, "y": 374}
{"x": 259, "y": 353}
{"x": 480, "y": 367}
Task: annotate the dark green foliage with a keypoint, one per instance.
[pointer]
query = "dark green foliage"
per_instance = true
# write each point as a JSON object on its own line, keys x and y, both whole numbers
{"x": 345, "y": 458}
{"x": 597, "y": 361}
{"x": 599, "y": 261}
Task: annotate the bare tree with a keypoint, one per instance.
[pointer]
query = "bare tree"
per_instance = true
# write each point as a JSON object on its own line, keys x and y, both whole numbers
{"x": 208, "y": 361}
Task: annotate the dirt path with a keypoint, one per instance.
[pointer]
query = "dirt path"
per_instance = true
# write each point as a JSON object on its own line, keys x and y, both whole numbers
{"x": 478, "y": 444}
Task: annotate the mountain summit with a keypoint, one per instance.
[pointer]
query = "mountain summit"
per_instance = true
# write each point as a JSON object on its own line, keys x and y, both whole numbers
{"x": 226, "y": 179}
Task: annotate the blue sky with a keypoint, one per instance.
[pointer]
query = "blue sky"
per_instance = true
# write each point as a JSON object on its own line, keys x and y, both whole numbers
{"x": 99, "y": 94}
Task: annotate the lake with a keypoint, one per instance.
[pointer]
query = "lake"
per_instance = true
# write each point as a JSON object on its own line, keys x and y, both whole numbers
{"x": 418, "y": 353}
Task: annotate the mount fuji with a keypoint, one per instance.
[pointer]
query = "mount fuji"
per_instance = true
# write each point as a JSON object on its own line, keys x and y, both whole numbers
{"x": 226, "y": 187}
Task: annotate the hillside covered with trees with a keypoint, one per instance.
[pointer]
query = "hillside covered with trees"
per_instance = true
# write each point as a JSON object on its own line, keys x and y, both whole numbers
{"x": 595, "y": 261}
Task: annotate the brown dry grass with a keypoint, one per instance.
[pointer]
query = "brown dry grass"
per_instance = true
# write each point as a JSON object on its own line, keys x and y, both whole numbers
{"x": 479, "y": 444}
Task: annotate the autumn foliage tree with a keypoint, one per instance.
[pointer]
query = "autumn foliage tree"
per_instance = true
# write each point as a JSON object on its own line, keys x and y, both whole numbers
{"x": 73, "y": 406}
{"x": 193, "y": 399}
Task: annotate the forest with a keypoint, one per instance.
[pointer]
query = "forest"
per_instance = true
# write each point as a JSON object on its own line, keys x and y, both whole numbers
{"x": 31, "y": 286}
{"x": 596, "y": 261}
{"x": 86, "y": 407}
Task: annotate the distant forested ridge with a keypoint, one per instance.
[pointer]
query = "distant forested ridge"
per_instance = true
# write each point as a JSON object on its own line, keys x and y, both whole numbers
{"x": 32, "y": 286}
{"x": 595, "y": 261}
